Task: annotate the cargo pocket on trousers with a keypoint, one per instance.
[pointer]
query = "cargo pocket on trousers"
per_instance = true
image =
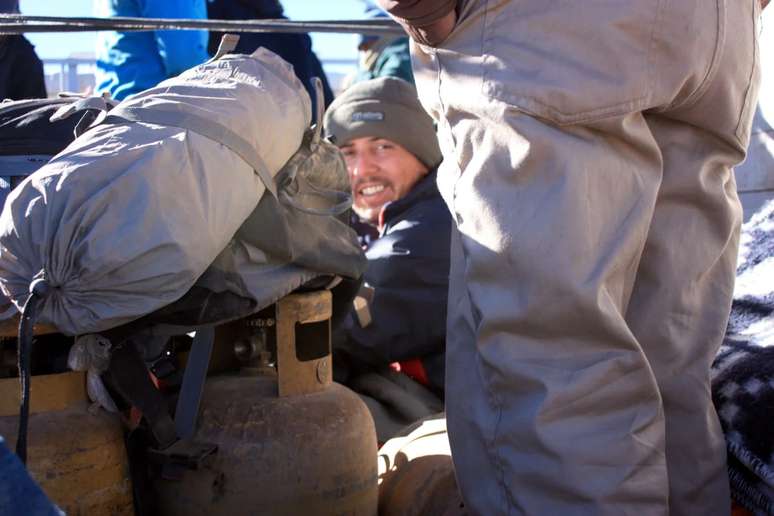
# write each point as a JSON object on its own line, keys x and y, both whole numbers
{"x": 540, "y": 57}
{"x": 751, "y": 95}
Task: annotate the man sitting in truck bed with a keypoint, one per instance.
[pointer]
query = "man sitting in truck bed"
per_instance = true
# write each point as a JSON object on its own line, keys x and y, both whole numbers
{"x": 392, "y": 153}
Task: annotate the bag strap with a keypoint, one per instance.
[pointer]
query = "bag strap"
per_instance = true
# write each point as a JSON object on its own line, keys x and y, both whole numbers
{"x": 195, "y": 374}
{"x": 202, "y": 126}
{"x": 336, "y": 202}
{"x": 128, "y": 375}
{"x": 228, "y": 44}
{"x": 339, "y": 202}
{"x": 96, "y": 103}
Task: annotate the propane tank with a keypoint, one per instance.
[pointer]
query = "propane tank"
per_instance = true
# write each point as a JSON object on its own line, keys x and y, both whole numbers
{"x": 416, "y": 473}
{"x": 290, "y": 441}
{"x": 78, "y": 458}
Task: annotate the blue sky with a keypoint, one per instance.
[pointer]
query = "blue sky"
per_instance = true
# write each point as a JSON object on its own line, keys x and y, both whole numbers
{"x": 63, "y": 44}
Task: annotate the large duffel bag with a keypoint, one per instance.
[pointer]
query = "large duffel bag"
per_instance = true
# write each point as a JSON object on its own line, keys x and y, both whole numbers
{"x": 31, "y": 133}
{"x": 128, "y": 217}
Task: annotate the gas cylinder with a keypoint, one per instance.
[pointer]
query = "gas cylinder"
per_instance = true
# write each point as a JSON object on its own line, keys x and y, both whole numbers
{"x": 416, "y": 473}
{"x": 290, "y": 441}
{"x": 77, "y": 457}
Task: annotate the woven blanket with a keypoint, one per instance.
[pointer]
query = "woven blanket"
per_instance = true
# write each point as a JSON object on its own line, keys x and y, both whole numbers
{"x": 743, "y": 372}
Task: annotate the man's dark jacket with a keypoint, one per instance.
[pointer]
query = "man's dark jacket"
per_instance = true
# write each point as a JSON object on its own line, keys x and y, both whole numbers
{"x": 296, "y": 49}
{"x": 21, "y": 72}
{"x": 408, "y": 267}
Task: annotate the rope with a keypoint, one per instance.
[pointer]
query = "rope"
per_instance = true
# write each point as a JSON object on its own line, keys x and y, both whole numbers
{"x": 19, "y": 24}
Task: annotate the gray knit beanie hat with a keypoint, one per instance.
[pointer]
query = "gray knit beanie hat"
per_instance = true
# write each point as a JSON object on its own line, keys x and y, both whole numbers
{"x": 388, "y": 108}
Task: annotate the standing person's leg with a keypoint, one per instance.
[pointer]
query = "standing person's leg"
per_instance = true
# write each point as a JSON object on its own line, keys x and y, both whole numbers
{"x": 552, "y": 405}
{"x": 682, "y": 295}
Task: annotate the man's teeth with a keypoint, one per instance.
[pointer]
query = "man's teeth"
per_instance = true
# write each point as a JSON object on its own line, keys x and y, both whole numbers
{"x": 371, "y": 190}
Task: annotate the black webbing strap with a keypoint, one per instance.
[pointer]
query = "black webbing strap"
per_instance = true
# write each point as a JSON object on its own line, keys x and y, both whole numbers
{"x": 193, "y": 382}
{"x": 129, "y": 375}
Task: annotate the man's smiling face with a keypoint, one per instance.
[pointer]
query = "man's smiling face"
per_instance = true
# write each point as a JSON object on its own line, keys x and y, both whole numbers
{"x": 380, "y": 171}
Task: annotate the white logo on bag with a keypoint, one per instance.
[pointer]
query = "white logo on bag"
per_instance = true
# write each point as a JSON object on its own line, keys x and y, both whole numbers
{"x": 219, "y": 72}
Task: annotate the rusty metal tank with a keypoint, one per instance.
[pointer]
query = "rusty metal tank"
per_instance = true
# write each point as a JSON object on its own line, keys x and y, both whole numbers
{"x": 290, "y": 441}
{"x": 416, "y": 473}
{"x": 78, "y": 458}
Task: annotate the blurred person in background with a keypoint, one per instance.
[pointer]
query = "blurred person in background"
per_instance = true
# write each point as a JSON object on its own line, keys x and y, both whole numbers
{"x": 293, "y": 48}
{"x": 382, "y": 56}
{"x": 21, "y": 72}
{"x": 130, "y": 62}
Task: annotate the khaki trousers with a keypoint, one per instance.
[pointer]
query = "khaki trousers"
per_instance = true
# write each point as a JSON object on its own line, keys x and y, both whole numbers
{"x": 588, "y": 149}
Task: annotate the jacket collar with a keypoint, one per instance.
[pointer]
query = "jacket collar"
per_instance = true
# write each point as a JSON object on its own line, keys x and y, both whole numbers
{"x": 425, "y": 189}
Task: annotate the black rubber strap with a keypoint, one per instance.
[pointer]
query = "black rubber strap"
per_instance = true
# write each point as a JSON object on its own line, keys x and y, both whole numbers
{"x": 29, "y": 315}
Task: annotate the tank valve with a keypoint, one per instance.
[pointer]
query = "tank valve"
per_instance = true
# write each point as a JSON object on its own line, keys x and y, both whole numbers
{"x": 253, "y": 353}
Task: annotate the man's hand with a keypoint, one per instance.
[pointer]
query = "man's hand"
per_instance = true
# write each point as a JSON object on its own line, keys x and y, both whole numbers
{"x": 435, "y": 33}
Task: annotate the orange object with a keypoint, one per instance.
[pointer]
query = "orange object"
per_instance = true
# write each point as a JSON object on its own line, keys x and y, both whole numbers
{"x": 738, "y": 510}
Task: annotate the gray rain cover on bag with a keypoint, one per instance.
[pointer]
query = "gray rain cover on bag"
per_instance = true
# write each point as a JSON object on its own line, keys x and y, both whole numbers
{"x": 308, "y": 234}
{"x": 128, "y": 217}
